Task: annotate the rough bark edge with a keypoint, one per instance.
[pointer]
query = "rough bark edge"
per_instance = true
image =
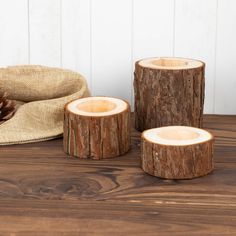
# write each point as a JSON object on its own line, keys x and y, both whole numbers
{"x": 177, "y": 162}
{"x": 141, "y": 118}
{"x": 84, "y": 135}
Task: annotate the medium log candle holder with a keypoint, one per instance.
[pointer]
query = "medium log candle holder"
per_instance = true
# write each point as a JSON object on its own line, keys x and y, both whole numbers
{"x": 177, "y": 152}
{"x": 97, "y": 127}
{"x": 168, "y": 91}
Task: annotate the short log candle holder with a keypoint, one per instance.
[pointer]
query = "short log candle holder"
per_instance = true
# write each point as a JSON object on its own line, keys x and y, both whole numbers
{"x": 97, "y": 127}
{"x": 177, "y": 152}
{"x": 168, "y": 91}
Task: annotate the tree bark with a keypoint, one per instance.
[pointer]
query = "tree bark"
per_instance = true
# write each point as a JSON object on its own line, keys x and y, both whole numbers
{"x": 168, "y": 96}
{"x": 177, "y": 162}
{"x": 97, "y": 137}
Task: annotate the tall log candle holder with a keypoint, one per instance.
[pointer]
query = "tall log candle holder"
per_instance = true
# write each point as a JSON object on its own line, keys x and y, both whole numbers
{"x": 177, "y": 152}
{"x": 97, "y": 127}
{"x": 168, "y": 91}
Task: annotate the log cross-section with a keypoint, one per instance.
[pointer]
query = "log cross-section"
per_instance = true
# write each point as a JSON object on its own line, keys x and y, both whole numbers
{"x": 168, "y": 91}
{"x": 177, "y": 152}
{"x": 97, "y": 127}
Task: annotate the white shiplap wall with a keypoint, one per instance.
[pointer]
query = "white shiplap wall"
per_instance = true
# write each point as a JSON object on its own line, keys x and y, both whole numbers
{"x": 103, "y": 38}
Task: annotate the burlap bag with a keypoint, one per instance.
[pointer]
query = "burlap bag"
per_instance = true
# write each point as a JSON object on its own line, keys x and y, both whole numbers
{"x": 42, "y": 93}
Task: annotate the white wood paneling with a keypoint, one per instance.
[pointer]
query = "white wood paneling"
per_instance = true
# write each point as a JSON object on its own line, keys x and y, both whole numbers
{"x": 195, "y": 30}
{"x": 76, "y": 36}
{"x": 102, "y": 39}
{"x": 153, "y": 25}
{"x": 225, "y": 95}
{"x": 111, "y": 47}
{"x": 153, "y": 28}
{"x": 45, "y": 32}
{"x": 13, "y": 32}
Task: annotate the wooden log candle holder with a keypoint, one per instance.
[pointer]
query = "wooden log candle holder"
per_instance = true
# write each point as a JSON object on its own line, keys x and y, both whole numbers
{"x": 177, "y": 152}
{"x": 168, "y": 91}
{"x": 97, "y": 127}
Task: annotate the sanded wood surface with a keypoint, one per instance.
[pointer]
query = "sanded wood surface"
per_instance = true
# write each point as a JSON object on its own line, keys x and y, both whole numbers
{"x": 44, "y": 193}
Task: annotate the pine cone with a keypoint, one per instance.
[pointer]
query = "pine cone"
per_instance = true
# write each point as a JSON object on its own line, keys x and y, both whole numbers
{"x": 7, "y": 108}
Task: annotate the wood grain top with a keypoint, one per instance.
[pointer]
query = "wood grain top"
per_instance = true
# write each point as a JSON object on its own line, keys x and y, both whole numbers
{"x": 44, "y": 192}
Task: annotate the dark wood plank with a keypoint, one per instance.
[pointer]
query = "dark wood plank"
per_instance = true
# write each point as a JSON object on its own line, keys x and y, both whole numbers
{"x": 44, "y": 192}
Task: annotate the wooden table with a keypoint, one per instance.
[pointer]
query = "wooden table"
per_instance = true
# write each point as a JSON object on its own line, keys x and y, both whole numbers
{"x": 43, "y": 192}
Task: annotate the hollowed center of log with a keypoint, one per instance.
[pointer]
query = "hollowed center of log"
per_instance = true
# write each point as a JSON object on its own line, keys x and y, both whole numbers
{"x": 96, "y": 106}
{"x": 169, "y": 62}
{"x": 178, "y": 134}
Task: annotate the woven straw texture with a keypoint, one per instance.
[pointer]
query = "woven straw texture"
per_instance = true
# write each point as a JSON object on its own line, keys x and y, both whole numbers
{"x": 41, "y": 93}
